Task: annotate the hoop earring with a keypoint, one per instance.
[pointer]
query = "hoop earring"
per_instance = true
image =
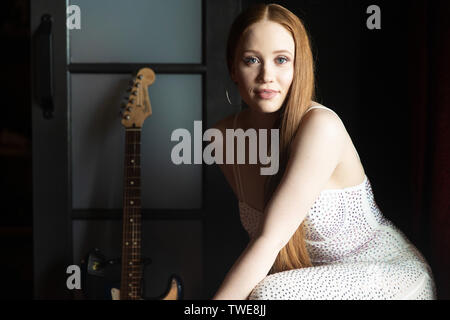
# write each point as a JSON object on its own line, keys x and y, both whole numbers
{"x": 228, "y": 97}
{"x": 229, "y": 101}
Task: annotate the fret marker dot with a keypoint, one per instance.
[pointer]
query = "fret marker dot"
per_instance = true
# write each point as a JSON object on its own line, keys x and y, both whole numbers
{"x": 131, "y": 263}
{"x": 132, "y": 160}
{"x": 127, "y": 243}
{"x": 131, "y": 202}
{"x": 131, "y": 182}
{"x": 131, "y": 220}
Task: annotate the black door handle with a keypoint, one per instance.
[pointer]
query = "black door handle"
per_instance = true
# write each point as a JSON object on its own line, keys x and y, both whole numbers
{"x": 43, "y": 66}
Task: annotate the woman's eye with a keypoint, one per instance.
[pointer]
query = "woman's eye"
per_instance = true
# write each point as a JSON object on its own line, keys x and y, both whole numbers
{"x": 250, "y": 60}
{"x": 283, "y": 58}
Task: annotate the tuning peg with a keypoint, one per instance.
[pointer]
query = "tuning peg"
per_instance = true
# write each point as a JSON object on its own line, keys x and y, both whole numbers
{"x": 127, "y": 117}
{"x": 138, "y": 85}
{"x": 129, "y": 109}
{"x": 140, "y": 77}
{"x": 134, "y": 93}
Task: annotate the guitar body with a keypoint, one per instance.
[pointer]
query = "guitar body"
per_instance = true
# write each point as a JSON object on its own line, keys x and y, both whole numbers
{"x": 101, "y": 278}
{"x": 173, "y": 292}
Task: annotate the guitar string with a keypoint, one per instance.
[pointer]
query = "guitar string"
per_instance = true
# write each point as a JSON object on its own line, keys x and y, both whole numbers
{"x": 134, "y": 209}
{"x": 126, "y": 291}
{"x": 125, "y": 223}
{"x": 125, "y": 177}
{"x": 128, "y": 209}
{"x": 134, "y": 228}
{"x": 130, "y": 225}
{"x": 138, "y": 216}
{"x": 131, "y": 211}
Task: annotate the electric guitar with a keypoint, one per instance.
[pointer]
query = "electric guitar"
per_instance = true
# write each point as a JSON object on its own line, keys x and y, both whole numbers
{"x": 135, "y": 111}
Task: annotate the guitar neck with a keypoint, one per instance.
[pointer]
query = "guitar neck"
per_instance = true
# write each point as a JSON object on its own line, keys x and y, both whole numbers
{"x": 131, "y": 233}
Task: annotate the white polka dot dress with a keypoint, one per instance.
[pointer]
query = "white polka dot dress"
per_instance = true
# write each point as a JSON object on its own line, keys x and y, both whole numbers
{"x": 356, "y": 253}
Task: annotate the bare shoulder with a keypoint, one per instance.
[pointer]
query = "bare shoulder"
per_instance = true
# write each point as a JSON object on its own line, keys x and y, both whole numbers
{"x": 323, "y": 131}
{"x": 325, "y": 120}
{"x": 322, "y": 125}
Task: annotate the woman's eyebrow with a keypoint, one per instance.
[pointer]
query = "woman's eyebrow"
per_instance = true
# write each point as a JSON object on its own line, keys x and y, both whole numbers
{"x": 277, "y": 51}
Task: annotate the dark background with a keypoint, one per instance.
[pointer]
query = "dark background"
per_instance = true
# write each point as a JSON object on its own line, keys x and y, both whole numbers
{"x": 15, "y": 153}
{"x": 384, "y": 73}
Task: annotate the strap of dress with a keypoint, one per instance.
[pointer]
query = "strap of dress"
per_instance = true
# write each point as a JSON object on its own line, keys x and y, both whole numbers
{"x": 320, "y": 107}
{"x": 237, "y": 175}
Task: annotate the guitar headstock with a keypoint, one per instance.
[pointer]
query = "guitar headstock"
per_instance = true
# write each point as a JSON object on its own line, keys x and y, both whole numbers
{"x": 137, "y": 107}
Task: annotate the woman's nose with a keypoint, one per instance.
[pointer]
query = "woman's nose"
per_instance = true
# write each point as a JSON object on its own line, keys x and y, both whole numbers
{"x": 266, "y": 73}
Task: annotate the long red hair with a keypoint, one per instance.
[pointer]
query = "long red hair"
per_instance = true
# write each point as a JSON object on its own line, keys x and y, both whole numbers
{"x": 294, "y": 254}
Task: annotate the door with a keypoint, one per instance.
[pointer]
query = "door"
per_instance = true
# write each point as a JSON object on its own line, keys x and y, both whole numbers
{"x": 84, "y": 54}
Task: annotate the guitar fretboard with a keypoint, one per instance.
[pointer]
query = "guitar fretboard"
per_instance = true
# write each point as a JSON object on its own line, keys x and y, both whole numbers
{"x": 131, "y": 242}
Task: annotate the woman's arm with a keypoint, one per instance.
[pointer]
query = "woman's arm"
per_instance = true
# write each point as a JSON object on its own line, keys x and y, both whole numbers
{"x": 316, "y": 151}
{"x": 249, "y": 269}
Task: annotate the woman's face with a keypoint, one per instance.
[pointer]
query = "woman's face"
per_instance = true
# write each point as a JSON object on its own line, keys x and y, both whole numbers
{"x": 264, "y": 61}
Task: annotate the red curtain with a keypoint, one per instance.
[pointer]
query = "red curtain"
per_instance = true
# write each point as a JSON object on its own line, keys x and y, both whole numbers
{"x": 429, "y": 58}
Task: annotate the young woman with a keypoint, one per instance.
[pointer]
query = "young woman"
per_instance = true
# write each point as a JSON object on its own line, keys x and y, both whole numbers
{"x": 315, "y": 229}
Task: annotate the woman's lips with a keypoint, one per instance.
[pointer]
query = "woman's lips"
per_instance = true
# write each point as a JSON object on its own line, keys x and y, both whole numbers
{"x": 266, "y": 94}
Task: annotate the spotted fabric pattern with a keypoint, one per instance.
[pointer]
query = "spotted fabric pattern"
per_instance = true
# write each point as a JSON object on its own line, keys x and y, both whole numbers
{"x": 361, "y": 260}
{"x": 356, "y": 252}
